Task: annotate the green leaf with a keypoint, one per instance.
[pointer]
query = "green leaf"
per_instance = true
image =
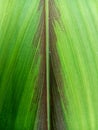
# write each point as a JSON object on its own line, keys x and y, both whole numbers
{"x": 48, "y": 65}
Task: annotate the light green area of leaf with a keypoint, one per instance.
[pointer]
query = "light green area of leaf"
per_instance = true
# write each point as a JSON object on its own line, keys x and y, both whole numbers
{"x": 77, "y": 45}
